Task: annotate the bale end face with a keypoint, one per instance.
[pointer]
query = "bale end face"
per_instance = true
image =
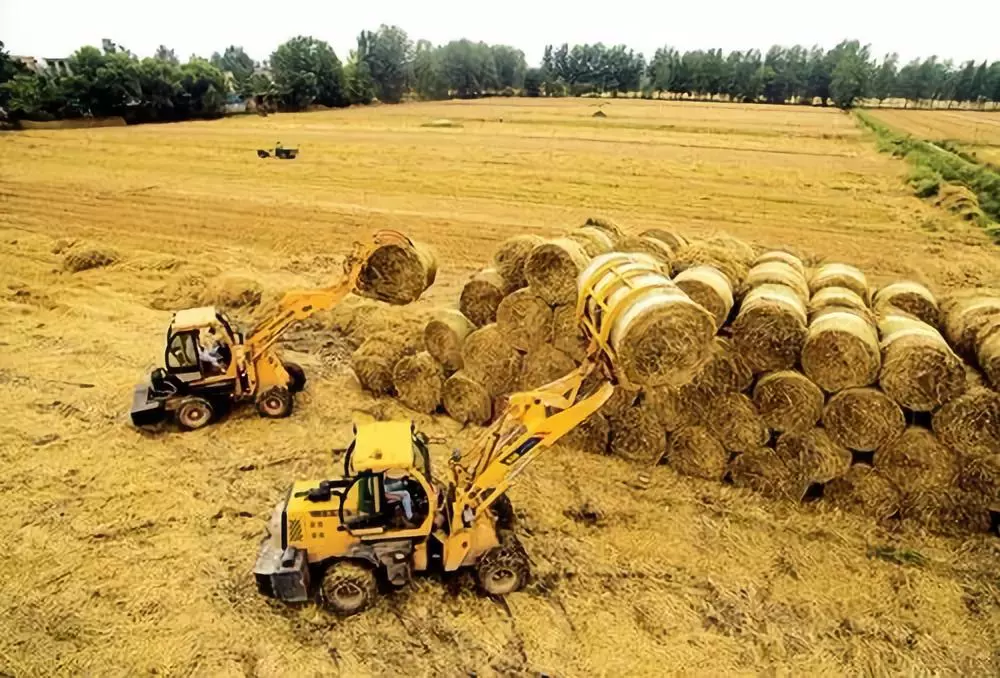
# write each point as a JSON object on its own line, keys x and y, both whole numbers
{"x": 788, "y": 401}
{"x": 397, "y": 273}
{"x": 551, "y": 269}
{"x": 509, "y": 258}
{"x": 466, "y": 400}
{"x": 444, "y": 336}
{"x": 813, "y": 456}
{"x": 524, "y": 319}
{"x": 418, "y": 380}
{"x": 970, "y": 424}
{"x": 863, "y": 419}
{"x": 481, "y": 296}
{"x": 591, "y": 435}
{"x": 694, "y": 451}
{"x": 636, "y": 435}
{"x": 863, "y": 490}
{"x": 763, "y": 470}
{"x": 734, "y": 420}
{"x": 489, "y": 359}
{"x": 841, "y": 351}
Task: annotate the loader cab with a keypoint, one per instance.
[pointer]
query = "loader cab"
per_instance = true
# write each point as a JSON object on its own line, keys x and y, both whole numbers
{"x": 196, "y": 329}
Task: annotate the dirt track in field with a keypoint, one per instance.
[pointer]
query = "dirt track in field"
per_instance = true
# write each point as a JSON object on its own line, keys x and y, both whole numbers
{"x": 130, "y": 553}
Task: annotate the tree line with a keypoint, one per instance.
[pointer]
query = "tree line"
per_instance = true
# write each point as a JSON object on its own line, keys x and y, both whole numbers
{"x": 387, "y": 66}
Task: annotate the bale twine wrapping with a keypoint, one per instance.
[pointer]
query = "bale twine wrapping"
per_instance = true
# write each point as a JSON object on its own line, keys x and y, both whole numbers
{"x": 988, "y": 352}
{"x": 489, "y": 359}
{"x": 863, "y": 419}
{"x": 509, "y": 258}
{"x": 813, "y": 457}
{"x": 636, "y": 435}
{"x": 593, "y": 240}
{"x": 708, "y": 288}
{"x": 734, "y": 420}
{"x": 837, "y": 299}
{"x": 788, "y": 401}
{"x": 466, "y": 400}
{"x": 865, "y": 491}
{"x": 397, "y": 274}
{"x": 770, "y": 329}
{"x": 841, "y": 351}
{"x": 544, "y": 364}
{"x": 779, "y": 273}
{"x": 785, "y": 258}
{"x": 552, "y": 269}
{"x": 567, "y": 335}
{"x": 373, "y": 361}
{"x": 590, "y": 435}
{"x": 965, "y": 314}
{"x": 418, "y": 380}
{"x": 719, "y": 257}
{"x": 443, "y": 337}
{"x": 762, "y": 470}
{"x": 655, "y": 248}
{"x": 694, "y": 451}
{"x": 919, "y": 369}
{"x": 909, "y": 297}
{"x": 970, "y": 424}
{"x": 674, "y": 241}
{"x": 606, "y": 225}
{"x": 481, "y": 296}
{"x": 524, "y": 319}
{"x": 840, "y": 275}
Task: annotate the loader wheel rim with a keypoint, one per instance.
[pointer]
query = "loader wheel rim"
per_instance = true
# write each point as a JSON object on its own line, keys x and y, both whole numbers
{"x": 348, "y": 595}
{"x": 272, "y": 403}
{"x": 503, "y": 578}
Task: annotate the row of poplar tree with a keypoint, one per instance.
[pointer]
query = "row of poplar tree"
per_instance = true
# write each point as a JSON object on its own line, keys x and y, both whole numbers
{"x": 389, "y": 67}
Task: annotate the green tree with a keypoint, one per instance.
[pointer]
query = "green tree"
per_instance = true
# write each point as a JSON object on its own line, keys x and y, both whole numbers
{"x": 307, "y": 70}
{"x": 203, "y": 90}
{"x": 160, "y": 86}
{"x": 534, "y": 80}
{"x": 428, "y": 77}
{"x": 510, "y": 65}
{"x": 980, "y": 85}
{"x": 388, "y": 56}
{"x": 851, "y": 79}
{"x": 360, "y": 86}
{"x": 102, "y": 83}
{"x": 236, "y": 61}
{"x": 163, "y": 53}
{"x": 884, "y": 82}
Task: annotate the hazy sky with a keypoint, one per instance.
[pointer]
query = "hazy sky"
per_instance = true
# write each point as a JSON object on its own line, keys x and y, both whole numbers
{"x": 961, "y": 29}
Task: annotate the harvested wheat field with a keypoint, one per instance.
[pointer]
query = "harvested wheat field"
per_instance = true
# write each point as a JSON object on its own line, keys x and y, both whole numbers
{"x": 979, "y": 131}
{"x": 130, "y": 552}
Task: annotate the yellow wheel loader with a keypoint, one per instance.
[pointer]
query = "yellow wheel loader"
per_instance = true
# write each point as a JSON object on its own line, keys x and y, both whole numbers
{"x": 209, "y": 364}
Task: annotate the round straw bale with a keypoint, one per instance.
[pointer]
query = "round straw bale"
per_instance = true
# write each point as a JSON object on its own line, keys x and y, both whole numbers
{"x": 567, "y": 334}
{"x": 669, "y": 408}
{"x": 919, "y": 370}
{"x": 770, "y": 329}
{"x": 723, "y": 371}
{"x": 636, "y": 435}
{"x": 980, "y": 477}
{"x": 700, "y": 253}
{"x": 544, "y": 364}
{"x": 733, "y": 419}
{"x": 813, "y": 456}
{"x": 909, "y": 297}
{"x": 948, "y": 510}
{"x": 839, "y": 299}
{"x": 524, "y": 319}
{"x": 788, "y": 401}
{"x": 916, "y": 462}
{"x": 840, "y": 275}
{"x": 397, "y": 273}
{"x": 693, "y": 451}
{"x": 593, "y": 240}
{"x": 970, "y": 424}
{"x": 481, "y": 296}
{"x": 552, "y": 269}
{"x": 489, "y": 359}
{"x": 865, "y": 491}
{"x": 988, "y": 351}
{"x": 762, "y": 470}
{"x": 657, "y": 249}
{"x": 672, "y": 240}
{"x": 590, "y": 435}
{"x": 466, "y": 400}
{"x": 863, "y": 419}
{"x": 737, "y": 249}
{"x": 606, "y": 225}
{"x": 841, "y": 351}
{"x": 374, "y": 360}
{"x": 621, "y": 399}
{"x": 509, "y": 258}
{"x": 418, "y": 380}
{"x": 708, "y": 288}
{"x": 965, "y": 313}
{"x": 443, "y": 337}
{"x": 779, "y": 273}
{"x": 783, "y": 257}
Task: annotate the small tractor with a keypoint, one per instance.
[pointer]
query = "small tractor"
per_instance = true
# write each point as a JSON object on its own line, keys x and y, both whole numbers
{"x": 279, "y": 152}
{"x": 209, "y": 364}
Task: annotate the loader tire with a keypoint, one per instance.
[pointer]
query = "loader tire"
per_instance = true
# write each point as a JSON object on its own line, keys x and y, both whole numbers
{"x": 296, "y": 376}
{"x": 194, "y": 413}
{"x": 275, "y": 402}
{"x": 503, "y": 513}
{"x": 503, "y": 569}
{"x": 348, "y": 588}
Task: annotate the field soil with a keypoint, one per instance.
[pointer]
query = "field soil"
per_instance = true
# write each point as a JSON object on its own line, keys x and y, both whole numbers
{"x": 130, "y": 553}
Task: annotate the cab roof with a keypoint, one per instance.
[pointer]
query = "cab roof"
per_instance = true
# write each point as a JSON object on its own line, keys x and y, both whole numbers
{"x": 192, "y": 318}
{"x": 382, "y": 445}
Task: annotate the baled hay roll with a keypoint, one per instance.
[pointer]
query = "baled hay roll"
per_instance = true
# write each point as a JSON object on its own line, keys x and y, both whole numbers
{"x": 863, "y": 419}
{"x": 708, "y": 288}
{"x": 919, "y": 369}
{"x": 970, "y": 424}
{"x": 593, "y": 240}
{"x": 783, "y": 257}
{"x": 865, "y": 491}
{"x": 622, "y": 399}
{"x": 509, "y": 258}
{"x": 606, "y": 225}
{"x": 980, "y": 477}
{"x": 674, "y": 241}
{"x": 693, "y": 451}
{"x": 813, "y": 456}
{"x": 636, "y": 435}
{"x": 544, "y": 364}
{"x": 443, "y": 337}
{"x": 762, "y": 470}
{"x": 374, "y": 360}
{"x": 719, "y": 257}
{"x": 466, "y": 400}
{"x": 397, "y": 273}
{"x": 788, "y": 401}
{"x": 657, "y": 249}
{"x": 552, "y": 269}
{"x": 916, "y": 462}
{"x": 841, "y": 351}
{"x": 966, "y": 313}
{"x": 839, "y": 298}
{"x": 770, "y": 329}
{"x": 840, "y": 275}
{"x": 489, "y": 359}
{"x": 481, "y": 296}
{"x": 666, "y": 403}
{"x": 909, "y": 297}
{"x": 988, "y": 352}
{"x": 733, "y": 419}
{"x": 590, "y": 435}
{"x": 567, "y": 335}
{"x": 737, "y": 249}
{"x": 779, "y": 273}
{"x": 418, "y": 380}
{"x": 524, "y": 319}
{"x": 724, "y": 371}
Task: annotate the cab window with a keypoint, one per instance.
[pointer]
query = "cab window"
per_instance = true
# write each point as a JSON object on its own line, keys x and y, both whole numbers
{"x": 361, "y": 506}
{"x": 181, "y": 352}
